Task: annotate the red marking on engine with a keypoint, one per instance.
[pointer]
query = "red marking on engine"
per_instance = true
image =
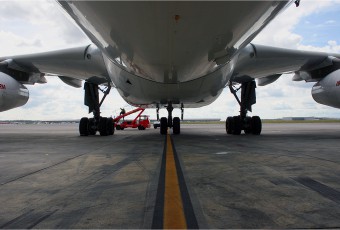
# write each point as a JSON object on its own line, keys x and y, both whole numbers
{"x": 337, "y": 83}
{"x": 2, "y": 86}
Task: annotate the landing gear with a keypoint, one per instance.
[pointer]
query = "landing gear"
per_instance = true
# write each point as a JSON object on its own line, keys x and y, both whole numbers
{"x": 174, "y": 123}
{"x": 250, "y": 125}
{"x": 164, "y": 126}
{"x": 256, "y": 125}
{"x": 84, "y": 126}
{"x": 90, "y": 126}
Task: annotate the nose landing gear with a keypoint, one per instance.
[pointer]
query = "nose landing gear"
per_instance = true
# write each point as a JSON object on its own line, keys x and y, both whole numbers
{"x": 174, "y": 123}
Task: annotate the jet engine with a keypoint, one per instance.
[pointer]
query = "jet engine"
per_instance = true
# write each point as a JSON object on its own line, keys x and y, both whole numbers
{"x": 327, "y": 91}
{"x": 12, "y": 93}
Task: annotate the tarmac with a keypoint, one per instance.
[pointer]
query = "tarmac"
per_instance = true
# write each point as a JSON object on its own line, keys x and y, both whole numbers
{"x": 288, "y": 177}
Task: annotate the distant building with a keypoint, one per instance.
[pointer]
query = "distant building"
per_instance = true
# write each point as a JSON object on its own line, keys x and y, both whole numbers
{"x": 300, "y": 118}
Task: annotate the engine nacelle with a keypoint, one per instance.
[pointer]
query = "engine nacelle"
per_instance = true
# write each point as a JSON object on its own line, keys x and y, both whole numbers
{"x": 327, "y": 91}
{"x": 12, "y": 93}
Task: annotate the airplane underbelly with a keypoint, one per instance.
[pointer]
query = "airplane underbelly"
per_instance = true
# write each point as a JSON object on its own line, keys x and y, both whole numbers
{"x": 196, "y": 93}
{"x": 169, "y": 41}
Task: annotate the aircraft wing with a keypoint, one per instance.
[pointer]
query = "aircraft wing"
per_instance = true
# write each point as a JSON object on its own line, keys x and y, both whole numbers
{"x": 267, "y": 64}
{"x": 71, "y": 65}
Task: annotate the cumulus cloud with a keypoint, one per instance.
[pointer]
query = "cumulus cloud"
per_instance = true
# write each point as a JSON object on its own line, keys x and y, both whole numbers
{"x": 331, "y": 47}
{"x": 280, "y": 31}
{"x": 36, "y": 43}
{"x": 36, "y": 26}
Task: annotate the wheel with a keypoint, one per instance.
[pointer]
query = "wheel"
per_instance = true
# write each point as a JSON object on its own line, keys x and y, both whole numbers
{"x": 140, "y": 127}
{"x": 83, "y": 126}
{"x": 176, "y": 125}
{"x": 118, "y": 127}
{"x": 247, "y": 125}
{"x": 256, "y": 125}
{"x": 110, "y": 126}
{"x": 155, "y": 126}
{"x": 91, "y": 127}
{"x": 103, "y": 129}
{"x": 247, "y": 131}
{"x": 237, "y": 125}
{"x": 164, "y": 126}
{"x": 229, "y": 125}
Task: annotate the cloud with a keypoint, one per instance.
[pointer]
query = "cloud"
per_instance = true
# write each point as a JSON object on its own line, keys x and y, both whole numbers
{"x": 36, "y": 29}
{"x": 36, "y": 43}
{"x": 330, "y": 22}
{"x": 331, "y": 47}
{"x": 281, "y": 106}
{"x": 280, "y": 33}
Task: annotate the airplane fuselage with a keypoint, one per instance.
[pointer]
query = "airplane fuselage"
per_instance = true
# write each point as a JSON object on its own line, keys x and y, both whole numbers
{"x": 184, "y": 51}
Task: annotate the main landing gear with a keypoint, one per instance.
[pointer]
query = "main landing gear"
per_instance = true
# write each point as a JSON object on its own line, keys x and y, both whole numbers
{"x": 250, "y": 125}
{"x": 90, "y": 126}
{"x": 174, "y": 123}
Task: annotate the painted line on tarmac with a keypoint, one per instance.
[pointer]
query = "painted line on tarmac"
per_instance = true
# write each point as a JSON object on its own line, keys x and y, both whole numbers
{"x": 174, "y": 217}
{"x": 173, "y": 209}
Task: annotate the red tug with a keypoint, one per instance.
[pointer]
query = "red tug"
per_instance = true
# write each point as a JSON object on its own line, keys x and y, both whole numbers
{"x": 141, "y": 121}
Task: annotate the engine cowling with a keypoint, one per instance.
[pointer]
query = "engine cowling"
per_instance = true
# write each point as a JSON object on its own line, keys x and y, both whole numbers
{"x": 327, "y": 91}
{"x": 13, "y": 94}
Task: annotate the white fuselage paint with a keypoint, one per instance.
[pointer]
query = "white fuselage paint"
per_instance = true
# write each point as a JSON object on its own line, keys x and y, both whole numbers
{"x": 156, "y": 52}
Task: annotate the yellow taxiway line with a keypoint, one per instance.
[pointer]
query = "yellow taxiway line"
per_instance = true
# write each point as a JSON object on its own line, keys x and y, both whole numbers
{"x": 174, "y": 217}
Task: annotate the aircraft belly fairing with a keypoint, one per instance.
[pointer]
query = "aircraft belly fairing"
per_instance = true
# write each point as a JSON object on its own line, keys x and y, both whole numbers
{"x": 146, "y": 93}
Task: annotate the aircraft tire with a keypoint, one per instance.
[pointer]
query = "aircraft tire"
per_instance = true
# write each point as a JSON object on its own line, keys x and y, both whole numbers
{"x": 103, "y": 129}
{"x": 176, "y": 125}
{"x": 90, "y": 125}
{"x": 248, "y": 129}
{"x": 164, "y": 125}
{"x": 237, "y": 125}
{"x": 229, "y": 125}
{"x": 110, "y": 126}
{"x": 83, "y": 126}
{"x": 256, "y": 125}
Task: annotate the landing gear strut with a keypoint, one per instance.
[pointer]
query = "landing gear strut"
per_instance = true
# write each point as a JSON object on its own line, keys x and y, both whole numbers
{"x": 90, "y": 126}
{"x": 174, "y": 123}
{"x": 253, "y": 125}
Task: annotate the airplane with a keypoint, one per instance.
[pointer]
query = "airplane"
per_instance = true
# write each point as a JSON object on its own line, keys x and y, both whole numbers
{"x": 171, "y": 54}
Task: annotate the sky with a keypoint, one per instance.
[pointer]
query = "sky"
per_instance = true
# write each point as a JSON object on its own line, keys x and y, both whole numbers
{"x": 36, "y": 26}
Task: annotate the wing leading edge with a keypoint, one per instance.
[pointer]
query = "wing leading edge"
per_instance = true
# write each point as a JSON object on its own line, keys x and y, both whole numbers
{"x": 71, "y": 65}
{"x": 267, "y": 63}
